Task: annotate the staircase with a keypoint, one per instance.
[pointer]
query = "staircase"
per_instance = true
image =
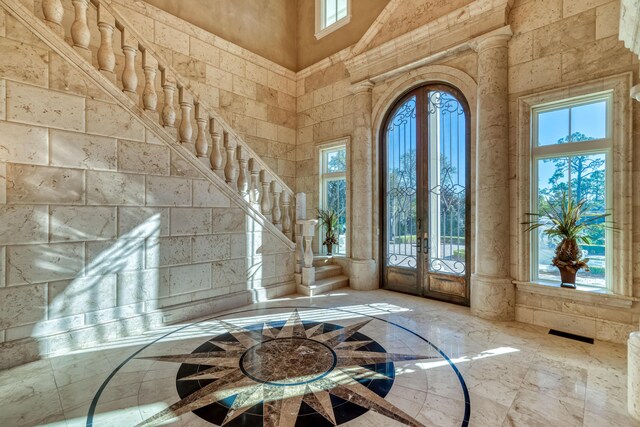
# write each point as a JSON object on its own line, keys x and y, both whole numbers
{"x": 329, "y": 277}
{"x": 201, "y": 137}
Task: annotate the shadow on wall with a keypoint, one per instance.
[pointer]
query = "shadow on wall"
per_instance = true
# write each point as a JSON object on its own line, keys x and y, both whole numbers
{"x": 144, "y": 280}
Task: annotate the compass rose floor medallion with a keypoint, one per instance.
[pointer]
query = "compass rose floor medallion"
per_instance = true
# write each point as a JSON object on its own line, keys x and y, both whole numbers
{"x": 275, "y": 373}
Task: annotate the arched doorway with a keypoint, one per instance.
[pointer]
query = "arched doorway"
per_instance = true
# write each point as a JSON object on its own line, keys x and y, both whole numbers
{"x": 424, "y": 189}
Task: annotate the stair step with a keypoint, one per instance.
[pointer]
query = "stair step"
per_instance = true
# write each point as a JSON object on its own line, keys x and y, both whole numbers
{"x": 325, "y": 285}
{"x": 327, "y": 271}
{"x": 319, "y": 261}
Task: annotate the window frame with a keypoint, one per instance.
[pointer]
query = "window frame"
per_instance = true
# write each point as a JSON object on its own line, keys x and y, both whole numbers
{"x": 572, "y": 149}
{"x": 326, "y": 177}
{"x": 321, "y": 30}
{"x": 618, "y": 175}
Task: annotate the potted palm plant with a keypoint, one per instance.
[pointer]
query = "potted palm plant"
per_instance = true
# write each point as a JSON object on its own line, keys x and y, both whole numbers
{"x": 568, "y": 221}
{"x": 329, "y": 220}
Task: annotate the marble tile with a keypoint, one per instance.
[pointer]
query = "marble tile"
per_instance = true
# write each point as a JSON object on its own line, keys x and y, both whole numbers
{"x": 165, "y": 191}
{"x": 228, "y": 220}
{"x": 532, "y": 408}
{"x": 81, "y": 295}
{"x": 23, "y": 144}
{"x": 166, "y": 251}
{"x": 82, "y": 223}
{"x": 115, "y": 189}
{"x": 171, "y": 38}
{"x": 40, "y": 184}
{"x": 24, "y": 62}
{"x": 190, "y": 278}
{"x": 21, "y": 224}
{"x": 190, "y": 221}
{"x": 44, "y": 263}
{"x": 82, "y": 151}
{"x": 113, "y": 121}
{"x": 3, "y": 98}
{"x": 208, "y": 195}
{"x": 37, "y": 106}
{"x": 211, "y": 248}
{"x": 143, "y": 222}
{"x": 143, "y": 158}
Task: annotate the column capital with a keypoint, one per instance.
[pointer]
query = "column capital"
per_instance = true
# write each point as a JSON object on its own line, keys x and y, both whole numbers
{"x": 495, "y": 38}
{"x": 362, "y": 86}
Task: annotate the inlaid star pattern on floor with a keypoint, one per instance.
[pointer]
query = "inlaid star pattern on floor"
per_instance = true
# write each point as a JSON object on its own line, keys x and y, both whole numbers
{"x": 284, "y": 368}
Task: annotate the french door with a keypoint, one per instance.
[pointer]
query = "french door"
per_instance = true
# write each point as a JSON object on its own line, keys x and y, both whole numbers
{"x": 424, "y": 173}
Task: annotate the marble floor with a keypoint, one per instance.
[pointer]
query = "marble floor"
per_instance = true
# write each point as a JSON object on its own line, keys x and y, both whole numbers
{"x": 348, "y": 358}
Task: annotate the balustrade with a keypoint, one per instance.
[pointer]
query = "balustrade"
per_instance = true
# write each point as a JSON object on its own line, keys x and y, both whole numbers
{"x": 129, "y": 76}
{"x": 202, "y": 145}
{"x": 254, "y": 188}
{"x": 53, "y": 13}
{"x": 186, "y": 104}
{"x": 80, "y": 33}
{"x": 243, "y": 181}
{"x": 230, "y": 168}
{"x": 276, "y": 212}
{"x": 106, "y": 54}
{"x": 149, "y": 95}
{"x": 265, "y": 202}
{"x": 168, "y": 110}
{"x": 217, "y": 159}
{"x": 237, "y": 165}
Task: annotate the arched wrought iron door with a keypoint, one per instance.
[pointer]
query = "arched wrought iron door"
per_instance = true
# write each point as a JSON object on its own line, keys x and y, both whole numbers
{"x": 424, "y": 172}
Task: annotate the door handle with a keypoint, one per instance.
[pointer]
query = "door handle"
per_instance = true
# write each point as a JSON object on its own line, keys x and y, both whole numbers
{"x": 426, "y": 245}
{"x": 419, "y": 245}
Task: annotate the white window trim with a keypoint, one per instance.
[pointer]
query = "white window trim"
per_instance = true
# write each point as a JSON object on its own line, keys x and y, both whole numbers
{"x": 572, "y": 149}
{"x": 323, "y": 31}
{"x": 618, "y": 171}
{"x": 320, "y": 149}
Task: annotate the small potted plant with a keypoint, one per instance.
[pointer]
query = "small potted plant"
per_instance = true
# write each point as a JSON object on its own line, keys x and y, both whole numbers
{"x": 568, "y": 221}
{"x": 329, "y": 220}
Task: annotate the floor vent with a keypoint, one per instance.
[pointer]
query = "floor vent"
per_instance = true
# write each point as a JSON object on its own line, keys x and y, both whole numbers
{"x": 571, "y": 336}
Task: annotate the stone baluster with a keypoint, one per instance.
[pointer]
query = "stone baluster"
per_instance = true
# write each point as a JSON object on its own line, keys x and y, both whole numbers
{"x": 186, "y": 104}
{"x": 308, "y": 229}
{"x": 265, "y": 202}
{"x": 286, "y": 214}
{"x": 276, "y": 212}
{"x": 243, "y": 180}
{"x": 492, "y": 292}
{"x": 254, "y": 187}
{"x": 300, "y": 215}
{"x": 129, "y": 76}
{"x": 230, "y": 168}
{"x": 149, "y": 95}
{"x": 168, "y": 110}
{"x": 202, "y": 144}
{"x": 80, "y": 33}
{"x": 216, "y": 158}
{"x": 53, "y": 13}
{"x": 106, "y": 55}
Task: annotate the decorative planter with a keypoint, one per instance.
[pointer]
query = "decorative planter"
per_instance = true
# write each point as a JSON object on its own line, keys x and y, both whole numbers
{"x": 568, "y": 278}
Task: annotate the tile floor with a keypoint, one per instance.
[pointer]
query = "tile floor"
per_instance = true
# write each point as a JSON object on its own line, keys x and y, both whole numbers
{"x": 505, "y": 373}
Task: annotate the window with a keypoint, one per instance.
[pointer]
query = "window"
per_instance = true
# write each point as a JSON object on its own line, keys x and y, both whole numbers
{"x": 331, "y": 15}
{"x": 333, "y": 192}
{"x": 571, "y": 154}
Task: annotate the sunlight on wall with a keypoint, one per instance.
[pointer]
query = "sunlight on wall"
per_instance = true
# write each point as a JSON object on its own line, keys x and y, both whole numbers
{"x": 113, "y": 285}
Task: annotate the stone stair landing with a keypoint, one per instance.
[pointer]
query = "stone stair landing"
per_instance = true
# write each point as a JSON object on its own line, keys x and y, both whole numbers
{"x": 328, "y": 277}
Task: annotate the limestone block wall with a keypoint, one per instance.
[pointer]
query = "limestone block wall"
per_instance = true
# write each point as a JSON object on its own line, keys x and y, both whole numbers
{"x": 559, "y": 44}
{"x": 556, "y": 44}
{"x": 104, "y": 230}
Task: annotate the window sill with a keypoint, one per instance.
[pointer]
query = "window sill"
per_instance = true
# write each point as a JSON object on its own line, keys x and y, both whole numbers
{"x": 583, "y": 294}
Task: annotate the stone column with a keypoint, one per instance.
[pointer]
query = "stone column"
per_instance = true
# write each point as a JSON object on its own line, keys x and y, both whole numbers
{"x": 492, "y": 292}
{"x": 363, "y": 267}
{"x": 633, "y": 372}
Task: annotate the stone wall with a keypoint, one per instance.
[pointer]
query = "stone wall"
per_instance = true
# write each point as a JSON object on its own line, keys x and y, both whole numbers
{"x": 556, "y": 44}
{"x": 105, "y": 230}
{"x": 559, "y": 44}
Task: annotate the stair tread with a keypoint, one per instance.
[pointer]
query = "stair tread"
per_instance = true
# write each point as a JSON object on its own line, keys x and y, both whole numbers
{"x": 333, "y": 279}
{"x": 328, "y": 267}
